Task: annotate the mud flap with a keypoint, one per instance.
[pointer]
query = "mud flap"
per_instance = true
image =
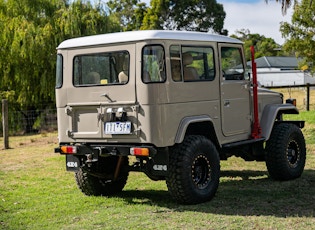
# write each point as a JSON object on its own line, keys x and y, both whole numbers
{"x": 158, "y": 166}
{"x": 72, "y": 163}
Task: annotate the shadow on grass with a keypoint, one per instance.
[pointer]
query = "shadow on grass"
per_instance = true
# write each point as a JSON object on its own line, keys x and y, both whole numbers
{"x": 244, "y": 193}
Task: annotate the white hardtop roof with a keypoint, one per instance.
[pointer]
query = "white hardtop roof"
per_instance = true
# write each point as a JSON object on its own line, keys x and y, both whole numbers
{"x": 142, "y": 35}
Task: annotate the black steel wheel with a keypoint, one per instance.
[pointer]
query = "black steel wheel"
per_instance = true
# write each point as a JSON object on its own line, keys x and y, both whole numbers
{"x": 285, "y": 152}
{"x": 194, "y": 170}
{"x": 201, "y": 172}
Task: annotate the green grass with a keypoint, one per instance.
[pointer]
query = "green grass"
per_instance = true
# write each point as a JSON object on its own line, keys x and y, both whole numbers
{"x": 36, "y": 192}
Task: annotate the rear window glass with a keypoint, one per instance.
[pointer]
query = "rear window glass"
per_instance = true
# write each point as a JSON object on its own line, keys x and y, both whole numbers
{"x": 59, "y": 68}
{"x": 101, "y": 69}
{"x": 153, "y": 64}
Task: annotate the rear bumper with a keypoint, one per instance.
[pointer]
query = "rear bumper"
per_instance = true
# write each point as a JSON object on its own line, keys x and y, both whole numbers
{"x": 78, "y": 155}
{"x": 100, "y": 149}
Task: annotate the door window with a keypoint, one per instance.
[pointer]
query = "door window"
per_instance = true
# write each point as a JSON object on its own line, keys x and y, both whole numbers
{"x": 232, "y": 63}
{"x": 192, "y": 63}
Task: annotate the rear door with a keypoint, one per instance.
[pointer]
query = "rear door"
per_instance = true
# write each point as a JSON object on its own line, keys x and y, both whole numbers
{"x": 235, "y": 91}
{"x": 101, "y": 84}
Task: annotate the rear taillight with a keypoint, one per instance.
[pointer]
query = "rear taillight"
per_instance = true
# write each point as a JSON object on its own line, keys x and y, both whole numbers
{"x": 68, "y": 149}
{"x": 139, "y": 152}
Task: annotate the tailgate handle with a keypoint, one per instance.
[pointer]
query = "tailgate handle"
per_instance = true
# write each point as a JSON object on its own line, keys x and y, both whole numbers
{"x": 107, "y": 96}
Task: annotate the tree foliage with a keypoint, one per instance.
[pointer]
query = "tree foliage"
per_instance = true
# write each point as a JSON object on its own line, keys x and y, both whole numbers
{"x": 191, "y": 15}
{"x": 197, "y": 15}
{"x": 30, "y": 32}
{"x": 263, "y": 46}
{"x": 156, "y": 15}
{"x": 300, "y": 33}
{"x": 128, "y": 14}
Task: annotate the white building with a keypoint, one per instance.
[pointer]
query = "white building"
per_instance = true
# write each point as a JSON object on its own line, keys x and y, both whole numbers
{"x": 281, "y": 71}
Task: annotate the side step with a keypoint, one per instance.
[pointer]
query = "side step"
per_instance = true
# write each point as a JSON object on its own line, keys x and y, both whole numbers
{"x": 246, "y": 142}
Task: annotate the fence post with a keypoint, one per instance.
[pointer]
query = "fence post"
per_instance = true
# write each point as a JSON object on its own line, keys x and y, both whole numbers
{"x": 5, "y": 123}
{"x": 307, "y": 97}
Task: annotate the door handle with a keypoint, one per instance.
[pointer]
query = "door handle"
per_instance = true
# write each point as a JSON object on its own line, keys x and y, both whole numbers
{"x": 245, "y": 86}
{"x": 226, "y": 103}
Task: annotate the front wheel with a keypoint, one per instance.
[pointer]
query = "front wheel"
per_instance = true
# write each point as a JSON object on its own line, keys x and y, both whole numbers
{"x": 285, "y": 152}
{"x": 194, "y": 171}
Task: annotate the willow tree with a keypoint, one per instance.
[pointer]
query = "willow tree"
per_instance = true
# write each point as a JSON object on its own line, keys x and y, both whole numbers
{"x": 30, "y": 32}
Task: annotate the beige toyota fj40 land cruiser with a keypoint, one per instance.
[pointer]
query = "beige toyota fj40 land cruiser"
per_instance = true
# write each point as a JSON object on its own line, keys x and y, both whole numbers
{"x": 169, "y": 104}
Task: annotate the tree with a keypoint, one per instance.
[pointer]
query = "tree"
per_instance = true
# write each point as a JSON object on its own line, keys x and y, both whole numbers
{"x": 156, "y": 15}
{"x": 191, "y": 15}
{"x": 263, "y": 46}
{"x": 128, "y": 14}
{"x": 30, "y": 32}
{"x": 300, "y": 34}
{"x": 198, "y": 15}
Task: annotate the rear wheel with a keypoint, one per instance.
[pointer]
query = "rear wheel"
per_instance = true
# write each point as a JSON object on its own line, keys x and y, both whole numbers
{"x": 100, "y": 180}
{"x": 194, "y": 171}
{"x": 285, "y": 152}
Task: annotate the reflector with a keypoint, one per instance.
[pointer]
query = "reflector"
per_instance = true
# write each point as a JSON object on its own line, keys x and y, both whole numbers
{"x": 291, "y": 101}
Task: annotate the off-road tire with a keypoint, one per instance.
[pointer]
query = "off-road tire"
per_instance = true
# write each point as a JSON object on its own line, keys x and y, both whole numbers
{"x": 194, "y": 170}
{"x": 285, "y": 152}
{"x": 99, "y": 181}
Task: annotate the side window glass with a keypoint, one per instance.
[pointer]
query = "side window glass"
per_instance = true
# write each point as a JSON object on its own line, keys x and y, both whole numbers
{"x": 153, "y": 64}
{"x": 176, "y": 63}
{"x": 59, "y": 70}
{"x": 101, "y": 69}
{"x": 198, "y": 63}
{"x": 232, "y": 63}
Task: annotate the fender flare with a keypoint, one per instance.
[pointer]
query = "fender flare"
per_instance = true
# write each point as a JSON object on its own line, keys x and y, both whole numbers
{"x": 270, "y": 113}
{"x": 185, "y": 122}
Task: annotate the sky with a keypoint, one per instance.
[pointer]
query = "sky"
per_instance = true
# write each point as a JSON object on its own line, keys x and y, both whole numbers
{"x": 256, "y": 16}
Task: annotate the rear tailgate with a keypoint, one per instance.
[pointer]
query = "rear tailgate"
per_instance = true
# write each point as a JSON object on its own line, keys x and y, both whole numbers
{"x": 98, "y": 98}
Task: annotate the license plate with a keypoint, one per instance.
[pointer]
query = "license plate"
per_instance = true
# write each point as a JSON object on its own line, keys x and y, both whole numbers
{"x": 118, "y": 127}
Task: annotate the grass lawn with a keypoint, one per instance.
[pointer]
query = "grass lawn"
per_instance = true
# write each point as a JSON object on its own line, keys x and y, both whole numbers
{"x": 36, "y": 192}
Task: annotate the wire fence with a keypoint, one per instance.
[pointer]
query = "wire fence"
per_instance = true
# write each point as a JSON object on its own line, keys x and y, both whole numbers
{"x": 304, "y": 94}
{"x": 30, "y": 122}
